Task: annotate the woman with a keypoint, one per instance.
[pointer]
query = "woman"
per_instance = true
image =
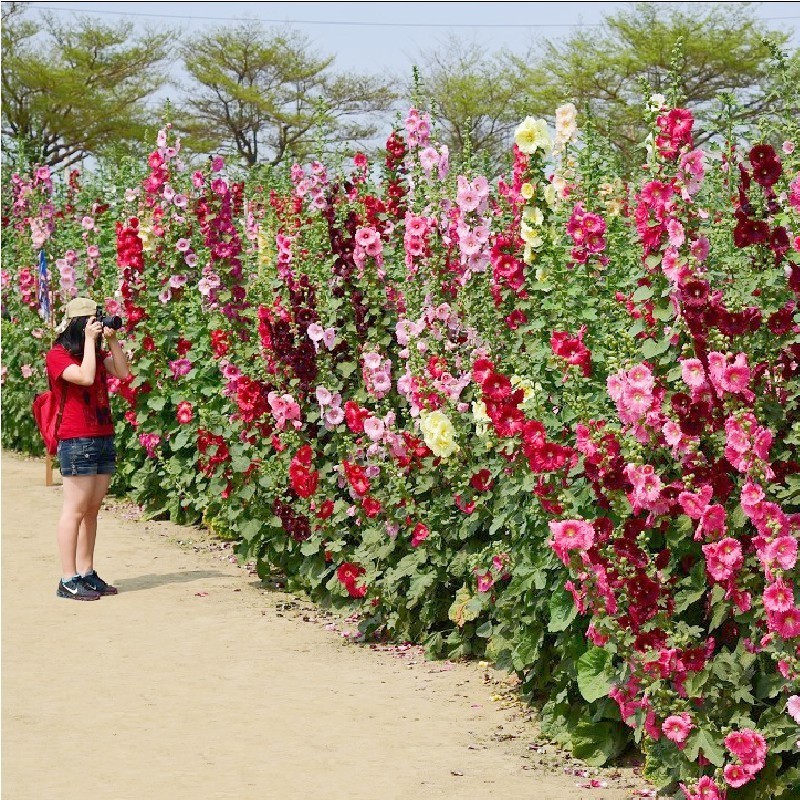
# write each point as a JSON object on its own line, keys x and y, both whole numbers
{"x": 77, "y": 367}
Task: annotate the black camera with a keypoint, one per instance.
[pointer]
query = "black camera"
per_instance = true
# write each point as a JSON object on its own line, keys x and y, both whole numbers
{"x": 115, "y": 323}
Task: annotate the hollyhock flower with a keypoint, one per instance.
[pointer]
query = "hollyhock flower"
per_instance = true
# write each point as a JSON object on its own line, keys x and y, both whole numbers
{"x": 323, "y": 396}
{"x": 180, "y": 367}
{"x": 677, "y": 727}
{"x": 150, "y": 442}
{"x": 707, "y": 789}
{"x": 782, "y": 552}
{"x": 356, "y": 477}
{"x": 748, "y": 746}
{"x": 793, "y": 707}
{"x": 26, "y": 370}
{"x": 785, "y": 623}
{"x": 420, "y": 534}
{"x": 347, "y": 574}
{"x": 335, "y": 416}
{"x": 723, "y": 558}
{"x": 694, "y": 505}
{"x": 532, "y": 135}
{"x": 88, "y": 223}
{"x": 693, "y": 373}
{"x": 439, "y": 434}
{"x": 329, "y": 338}
{"x": 778, "y": 596}
{"x": 315, "y": 332}
{"x": 374, "y": 428}
{"x": 484, "y": 581}
{"x": 571, "y": 534}
{"x": 371, "y": 507}
{"x": 184, "y": 412}
{"x": 737, "y": 775}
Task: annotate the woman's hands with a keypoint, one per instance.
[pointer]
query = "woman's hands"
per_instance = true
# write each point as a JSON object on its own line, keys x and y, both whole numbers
{"x": 93, "y": 329}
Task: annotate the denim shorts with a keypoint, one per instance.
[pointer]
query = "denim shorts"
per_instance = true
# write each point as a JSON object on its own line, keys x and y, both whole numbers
{"x": 87, "y": 455}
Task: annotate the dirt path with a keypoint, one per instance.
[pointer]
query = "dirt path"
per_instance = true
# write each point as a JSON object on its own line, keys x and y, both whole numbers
{"x": 194, "y": 683}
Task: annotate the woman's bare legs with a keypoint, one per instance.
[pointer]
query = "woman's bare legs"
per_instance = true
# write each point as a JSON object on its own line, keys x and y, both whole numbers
{"x": 88, "y": 528}
{"x": 77, "y": 526}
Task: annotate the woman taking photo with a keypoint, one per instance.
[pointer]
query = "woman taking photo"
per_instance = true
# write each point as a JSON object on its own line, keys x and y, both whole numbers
{"x": 77, "y": 367}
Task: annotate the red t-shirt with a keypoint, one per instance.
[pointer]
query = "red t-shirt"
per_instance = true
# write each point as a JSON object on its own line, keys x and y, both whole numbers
{"x": 87, "y": 411}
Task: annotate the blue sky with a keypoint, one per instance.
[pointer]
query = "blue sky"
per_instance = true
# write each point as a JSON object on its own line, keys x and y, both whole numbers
{"x": 396, "y": 31}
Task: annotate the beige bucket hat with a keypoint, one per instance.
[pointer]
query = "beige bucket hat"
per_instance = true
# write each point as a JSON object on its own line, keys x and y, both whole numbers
{"x": 79, "y": 307}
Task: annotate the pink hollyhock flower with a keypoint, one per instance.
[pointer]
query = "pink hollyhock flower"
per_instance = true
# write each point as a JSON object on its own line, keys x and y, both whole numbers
{"x": 570, "y": 534}
{"x": 323, "y": 396}
{"x": 374, "y": 428}
{"x": 752, "y": 494}
{"x": 793, "y": 707}
{"x": 180, "y": 367}
{"x": 736, "y": 377}
{"x": 782, "y": 552}
{"x": 778, "y": 596}
{"x": 372, "y": 360}
{"x": 315, "y": 332}
{"x": 93, "y": 251}
{"x": 675, "y": 233}
{"x": 335, "y": 416}
{"x": 723, "y": 558}
{"x": 700, "y": 248}
{"x": 712, "y": 523}
{"x": 329, "y": 338}
{"x": 180, "y": 200}
{"x": 785, "y": 623}
{"x": 677, "y": 727}
{"x": 615, "y": 385}
{"x": 636, "y": 401}
{"x": 736, "y": 775}
{"x": 182, "y": 245}
{"x": 748, "y": 746}
{"x": 26, "y": 370}
{"x": 693, "y": 373}
{"x": 366, "y": 236}
{"x": 428, "y": 158}
{"x": 484, "y": 581}
{"x": 694, "y": 505}
{"x": 706, "y": 790}
{"x": 149, "y": 441}
{"x": 641, "y": 377}
{"x": 468, "y": 199}
{"x": 88, "y": 223}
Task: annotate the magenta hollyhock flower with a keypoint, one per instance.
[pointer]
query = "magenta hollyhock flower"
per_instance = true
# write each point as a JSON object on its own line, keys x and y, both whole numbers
{"x": 706, "y": 789}
{"x": 217, "y": 164}
{"x": 778, "y": 596}
{"x": 694, "y": 505}
{"x": 693, "y": 373}
{"x": 782, "y": 551}
{"x": 570, "y": 534}
{"x": 785, "y": 623}
{"x": 723, "y": 558}
{"x": 747, "y": 745}
{"x": 737, "y": 775}
{"x": 677, "y": 727}
{"x": 149, "y": 441}
{"x": 184, "y": 412}
{"x": 180, "y": 367}
{"x": 484, "y": 581}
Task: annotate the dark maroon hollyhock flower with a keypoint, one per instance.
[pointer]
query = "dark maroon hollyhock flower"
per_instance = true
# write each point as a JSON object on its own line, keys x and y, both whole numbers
{"x": 750, "y": 231}
{"x": 681, "y": 403}
{"x": 762, "y": 153}
{"x": 781, "y": 322}
{"x": 779, "y": 241}
{"x": 694, "y": 292}
{"x": 768, "y": 173}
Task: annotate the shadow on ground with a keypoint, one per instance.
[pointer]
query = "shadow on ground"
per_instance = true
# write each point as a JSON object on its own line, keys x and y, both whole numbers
{"x": 152, "y": 581}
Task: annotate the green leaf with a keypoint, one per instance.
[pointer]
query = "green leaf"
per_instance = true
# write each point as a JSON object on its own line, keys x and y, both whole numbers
{"x": 562, "y": 611}
{"x": 704, "y": 741}
{"x": 251, "y": 528}
{"x": 594, "y": 674}
{"x": 654, "y": 347}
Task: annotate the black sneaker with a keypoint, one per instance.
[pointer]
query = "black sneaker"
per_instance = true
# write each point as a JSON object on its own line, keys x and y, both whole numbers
{"x": 76, "y": 589}
{"x": 94, "y": 582}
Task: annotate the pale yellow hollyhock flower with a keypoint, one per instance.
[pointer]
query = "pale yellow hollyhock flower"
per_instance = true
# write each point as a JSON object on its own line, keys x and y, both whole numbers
{"x": 264, "y": 250}
{"x": 533, "y": 215}
{"x": 532, "y": 135}
{"x": 527, "y": 190}
{"x": 550, "y": 195}
{"x": 146, "y": 235}
{"x": 439, "y": 434}
{"x": 531, "y": 236}
{"x": 528, "y": 390}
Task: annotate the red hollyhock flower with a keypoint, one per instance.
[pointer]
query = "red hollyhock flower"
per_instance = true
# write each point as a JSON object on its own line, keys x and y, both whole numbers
{"x": 481, "y": 481}
{"x": 304, "y": 482}
{"x": 304, "y": 455}
{"x": 694, "y": 292}
{"x": 347, "y": 574}
{"x": 420, "y": 534}
{"x": 354, "y": 416}
{"x": 219, "y": 343}
{"x": 572, "y": 350}
{"x": 183, "y": 346}
{"x": 481, "y": 370}
{"x": 496, "y": 387}
{"x": 184, "y": 412}
{"x": 357, "y": 478}
{"x": 371, "y": 507}
{"x": 762, "y": 153}
{"x": 767, "y": 173}
{"x": 325, "y": 510}
{"x": 750, "y": 231}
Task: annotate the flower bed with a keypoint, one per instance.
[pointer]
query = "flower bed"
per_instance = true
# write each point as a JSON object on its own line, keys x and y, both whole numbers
{"x": 551, "y": 422}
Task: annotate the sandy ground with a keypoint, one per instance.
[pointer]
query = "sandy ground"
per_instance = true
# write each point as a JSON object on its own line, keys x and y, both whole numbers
{"x": 196, "y": 683}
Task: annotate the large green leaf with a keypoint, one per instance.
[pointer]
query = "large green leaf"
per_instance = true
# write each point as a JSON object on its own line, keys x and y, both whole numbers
{"x": 594, "y": 674}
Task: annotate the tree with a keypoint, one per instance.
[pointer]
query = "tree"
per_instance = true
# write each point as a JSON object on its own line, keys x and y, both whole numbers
{"x": 69, "y": 92}
{"x": 477, "y": 98}
{"x": 268, "y": 96}
{"x": 723, "y": 52}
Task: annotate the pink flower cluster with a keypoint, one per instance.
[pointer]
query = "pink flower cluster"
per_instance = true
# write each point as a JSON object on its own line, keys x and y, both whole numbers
{"x": 312, "y": 185}
{"x": 418, "y": 127}
{"x": 587, "y": 231}
{"x": 377, "y": 374}
{"x": 368, "y": 245}
{"x": 150, "y": 442}
{"x": 635, "y": 394}
{"x": 750, "y": 750}
{"x": 284, "y": 409}
{"x": 571, "y": 534}
{"x": 675, "y": 131}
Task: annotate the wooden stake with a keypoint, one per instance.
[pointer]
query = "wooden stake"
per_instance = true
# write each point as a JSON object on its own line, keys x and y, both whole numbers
{"x": 48, "y": 469}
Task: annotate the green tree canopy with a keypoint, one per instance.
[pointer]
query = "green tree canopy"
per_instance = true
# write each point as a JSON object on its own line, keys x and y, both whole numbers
{"x": 723, "y": 52}
{"x": 477, "y": 97}
{"x": 268, "y": 95}
{"x": 69, "y": 92}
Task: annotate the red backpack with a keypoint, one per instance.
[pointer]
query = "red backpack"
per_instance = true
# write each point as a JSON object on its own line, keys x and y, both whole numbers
{"x": 48, "y": 418}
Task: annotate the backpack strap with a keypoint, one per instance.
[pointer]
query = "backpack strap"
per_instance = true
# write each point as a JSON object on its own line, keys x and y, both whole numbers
{"x": 61, "y": 408}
